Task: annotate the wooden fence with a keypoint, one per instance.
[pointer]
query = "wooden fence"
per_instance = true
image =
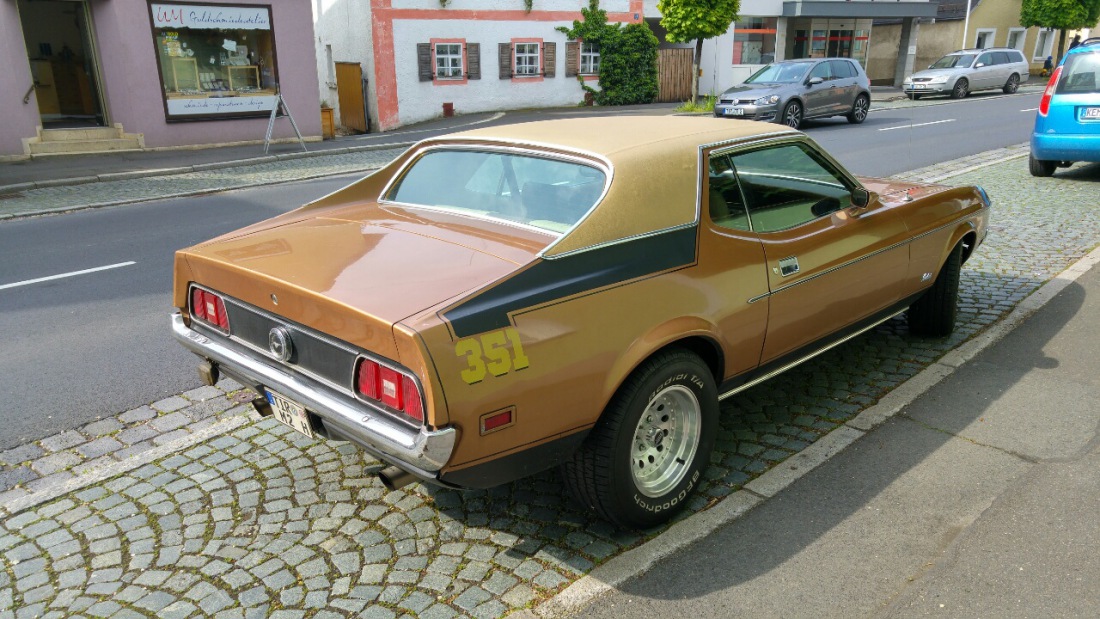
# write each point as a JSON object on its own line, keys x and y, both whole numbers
{"x": 674, "y": 74}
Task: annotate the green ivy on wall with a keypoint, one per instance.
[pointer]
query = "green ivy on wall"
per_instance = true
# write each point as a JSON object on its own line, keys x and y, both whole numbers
{"x": 628, "y": 57}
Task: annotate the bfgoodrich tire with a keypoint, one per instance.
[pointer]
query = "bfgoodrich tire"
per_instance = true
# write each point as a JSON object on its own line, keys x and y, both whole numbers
{"x": 648, "y": 451}
{"x": 933, "y": 314}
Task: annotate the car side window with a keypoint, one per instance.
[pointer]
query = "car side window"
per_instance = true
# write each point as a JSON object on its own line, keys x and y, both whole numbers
{"x": 726, "y": 206}
{"x": 788, "y": 185}
{"x": 821, "y": 70}
{"x": 1000, "y": 57}
{"x": 986, "y": 59}
{"x": 842, "y": 69}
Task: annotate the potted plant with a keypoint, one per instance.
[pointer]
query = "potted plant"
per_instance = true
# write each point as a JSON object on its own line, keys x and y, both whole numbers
{"x": 328, "y": 121}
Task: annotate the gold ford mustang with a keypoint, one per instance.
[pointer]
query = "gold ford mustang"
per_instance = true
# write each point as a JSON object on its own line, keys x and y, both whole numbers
{"x": 571, "y": 292}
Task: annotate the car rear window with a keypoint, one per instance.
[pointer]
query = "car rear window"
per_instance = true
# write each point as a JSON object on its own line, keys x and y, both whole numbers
{"x": 1080, "y": 74}
{"x": 551, "y": 194}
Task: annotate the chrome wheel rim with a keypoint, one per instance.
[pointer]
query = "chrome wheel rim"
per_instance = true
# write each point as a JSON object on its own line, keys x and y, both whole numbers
{"x": 1013, "y": 84}
{"x": 960, "y": 89}
{"x": 665, "y": 441}
{"x": 793, "y": 116}
{"x": 860, "y": 112}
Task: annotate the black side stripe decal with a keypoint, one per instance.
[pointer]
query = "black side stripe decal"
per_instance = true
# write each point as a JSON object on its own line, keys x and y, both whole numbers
{"x": 548, "y": 280}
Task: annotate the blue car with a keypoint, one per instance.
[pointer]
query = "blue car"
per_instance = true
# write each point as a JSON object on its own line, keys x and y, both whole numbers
{"x": 1067, "y": 127}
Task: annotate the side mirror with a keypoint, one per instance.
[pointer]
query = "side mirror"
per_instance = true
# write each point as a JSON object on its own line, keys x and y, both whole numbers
{"x": 979, "y": 65}
{"x": 860, "y": 198}
{"x": 814, "y": 81}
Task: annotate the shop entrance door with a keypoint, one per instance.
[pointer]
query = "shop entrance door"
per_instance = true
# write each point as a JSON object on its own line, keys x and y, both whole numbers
{"x": 64, "y": 63}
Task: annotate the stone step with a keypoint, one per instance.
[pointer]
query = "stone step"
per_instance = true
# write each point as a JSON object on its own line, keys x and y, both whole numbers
{"x": 73, "y": 147}
{"x": 80, "y": 135}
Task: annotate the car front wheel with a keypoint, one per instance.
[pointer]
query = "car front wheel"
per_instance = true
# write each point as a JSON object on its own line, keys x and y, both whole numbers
{"x": 1012, "y": 85}
{"x": 933, "y": 314}
{"x": 961, "y": 89}
{"x": 859, "y": 110}
{"x": 647, "y": 453}
{"x": 1040, "y": 168}
{"x": 792, "y": 115}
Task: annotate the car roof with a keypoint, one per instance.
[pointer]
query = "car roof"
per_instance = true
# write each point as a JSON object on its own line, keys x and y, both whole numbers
{"x": 653, "y": 160}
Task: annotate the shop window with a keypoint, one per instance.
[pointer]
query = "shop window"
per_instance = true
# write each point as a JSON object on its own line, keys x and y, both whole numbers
{"x": 754, "y": 40}
{"x": 590, "y": 58}
{"x": 215, "y": 61}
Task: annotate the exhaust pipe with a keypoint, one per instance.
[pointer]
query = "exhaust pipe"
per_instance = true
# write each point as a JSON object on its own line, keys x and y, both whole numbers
{"x": 394, "y": 477}
{"x": 208, "y": 373}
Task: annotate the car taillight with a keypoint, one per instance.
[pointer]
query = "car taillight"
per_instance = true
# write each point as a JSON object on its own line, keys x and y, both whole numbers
{"x": 209, "y": 308}
{"x": 1044, "y": 103}
{"x": 390, "y": 387}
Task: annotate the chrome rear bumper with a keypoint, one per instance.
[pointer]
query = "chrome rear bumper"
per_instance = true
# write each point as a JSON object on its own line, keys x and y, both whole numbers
{"x": 422, "y": 452}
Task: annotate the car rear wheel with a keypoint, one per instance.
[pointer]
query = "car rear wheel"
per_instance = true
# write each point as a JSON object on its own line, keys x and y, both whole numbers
{"x": 792, "y": 115}
{"x": 1012, "y": 85}
{"x": 1041, "y": 168}
{"x": 859, "y": 110}
{"x": 933, "y": 314}
{"x": 647, "y": 453}
{"x": 961, "y": 89}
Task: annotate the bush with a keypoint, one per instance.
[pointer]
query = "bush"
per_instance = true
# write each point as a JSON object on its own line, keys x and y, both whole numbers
{"x": 628, "y": 58}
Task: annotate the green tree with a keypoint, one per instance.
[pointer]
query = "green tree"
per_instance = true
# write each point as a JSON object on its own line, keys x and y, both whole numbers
{"x": 697, "y": 20}
{"x": 628, "y": 57}
{"x": 1061, "y": 15}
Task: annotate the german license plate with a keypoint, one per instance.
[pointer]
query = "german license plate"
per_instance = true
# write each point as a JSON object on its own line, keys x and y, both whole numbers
{"x": 918, "y": 86}
{"x": 734, "y": 111}
{"x": 290, "y": 413}
{"x": 1091, "y": 113}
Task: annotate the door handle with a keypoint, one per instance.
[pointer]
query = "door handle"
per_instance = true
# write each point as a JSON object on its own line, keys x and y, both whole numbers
{"x": 788, "y": 266}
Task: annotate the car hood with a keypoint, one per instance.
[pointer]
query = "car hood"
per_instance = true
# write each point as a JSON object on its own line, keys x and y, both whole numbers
{"x": 753, "y": 91}
{"x": 932, "y": 73}
{"x": 892, "y": 191}
{"x": 385, "y": 263}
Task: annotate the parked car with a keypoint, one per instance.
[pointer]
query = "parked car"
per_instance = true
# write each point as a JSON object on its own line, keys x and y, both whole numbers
{"x": 960, "y": 73}
{"x": 791, "y": 91}
{"x": 1067, "y": 125}
{"x": 574, "y": 292}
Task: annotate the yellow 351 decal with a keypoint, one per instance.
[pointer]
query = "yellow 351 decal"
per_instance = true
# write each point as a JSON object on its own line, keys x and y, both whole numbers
{"x": 489, "y": 353}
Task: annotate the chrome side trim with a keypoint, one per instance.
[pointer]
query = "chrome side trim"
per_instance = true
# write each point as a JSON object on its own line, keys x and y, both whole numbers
{"x": 861, "y": 259}
{"x": 423, "y": 449}
{"x": 773, "y": 373}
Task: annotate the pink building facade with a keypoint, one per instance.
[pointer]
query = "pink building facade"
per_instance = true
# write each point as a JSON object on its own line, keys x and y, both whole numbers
{"x": 166, "y": 74}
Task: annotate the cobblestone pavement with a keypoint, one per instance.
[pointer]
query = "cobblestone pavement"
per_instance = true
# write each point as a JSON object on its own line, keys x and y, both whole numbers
{"x": 191, "y": 507}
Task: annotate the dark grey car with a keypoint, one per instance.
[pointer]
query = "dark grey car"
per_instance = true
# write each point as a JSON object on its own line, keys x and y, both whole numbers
{"x": 791, "y": 91}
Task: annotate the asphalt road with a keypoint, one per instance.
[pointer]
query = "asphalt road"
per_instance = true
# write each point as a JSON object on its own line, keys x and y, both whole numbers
{"x": 98, "y": 343}
{"x": 80, "y": 346}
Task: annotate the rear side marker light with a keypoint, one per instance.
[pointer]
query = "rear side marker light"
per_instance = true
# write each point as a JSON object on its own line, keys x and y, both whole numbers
{"x": 209, "y": 308}
{"x": 498, "y": 420}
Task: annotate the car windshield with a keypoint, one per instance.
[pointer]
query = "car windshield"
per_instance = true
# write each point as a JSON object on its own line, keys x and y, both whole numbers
{"x": 782, "y": 73}
{"x": 954, "y": 60}
{"x": 1080, "y": 74}
{"x": 545, "y": 193}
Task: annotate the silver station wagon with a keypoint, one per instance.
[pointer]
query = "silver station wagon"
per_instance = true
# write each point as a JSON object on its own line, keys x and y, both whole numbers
{"x": 960, "y": 73}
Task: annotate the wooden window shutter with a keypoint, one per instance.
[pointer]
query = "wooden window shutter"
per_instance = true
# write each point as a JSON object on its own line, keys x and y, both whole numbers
{"x": 424, "y": 61}
{"x": 549, "y": 59}
{"x": 473, "y": 61}
{"x": 572, "y": 59}
{"x": 505, "y": 50}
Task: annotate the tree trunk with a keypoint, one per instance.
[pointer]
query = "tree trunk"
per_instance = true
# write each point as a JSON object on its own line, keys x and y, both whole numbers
{"x": 1061, "y": 46}
{"x": 695, "y": 71}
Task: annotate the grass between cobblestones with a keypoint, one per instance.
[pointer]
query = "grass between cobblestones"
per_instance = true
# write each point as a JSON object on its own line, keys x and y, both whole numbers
{"x": 264, "y": 521}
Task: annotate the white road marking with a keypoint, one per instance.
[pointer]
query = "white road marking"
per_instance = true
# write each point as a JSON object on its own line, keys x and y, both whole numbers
{"x": 1030, "y": 109}
{"x": 64, "y": 275}
{"x": 934, "y": 122}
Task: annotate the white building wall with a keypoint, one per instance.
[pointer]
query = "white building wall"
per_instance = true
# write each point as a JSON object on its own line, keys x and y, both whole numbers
{"x": 421, "y": 101}
{"x": 541, "y": 6}
{"x": 346, "y": 26}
